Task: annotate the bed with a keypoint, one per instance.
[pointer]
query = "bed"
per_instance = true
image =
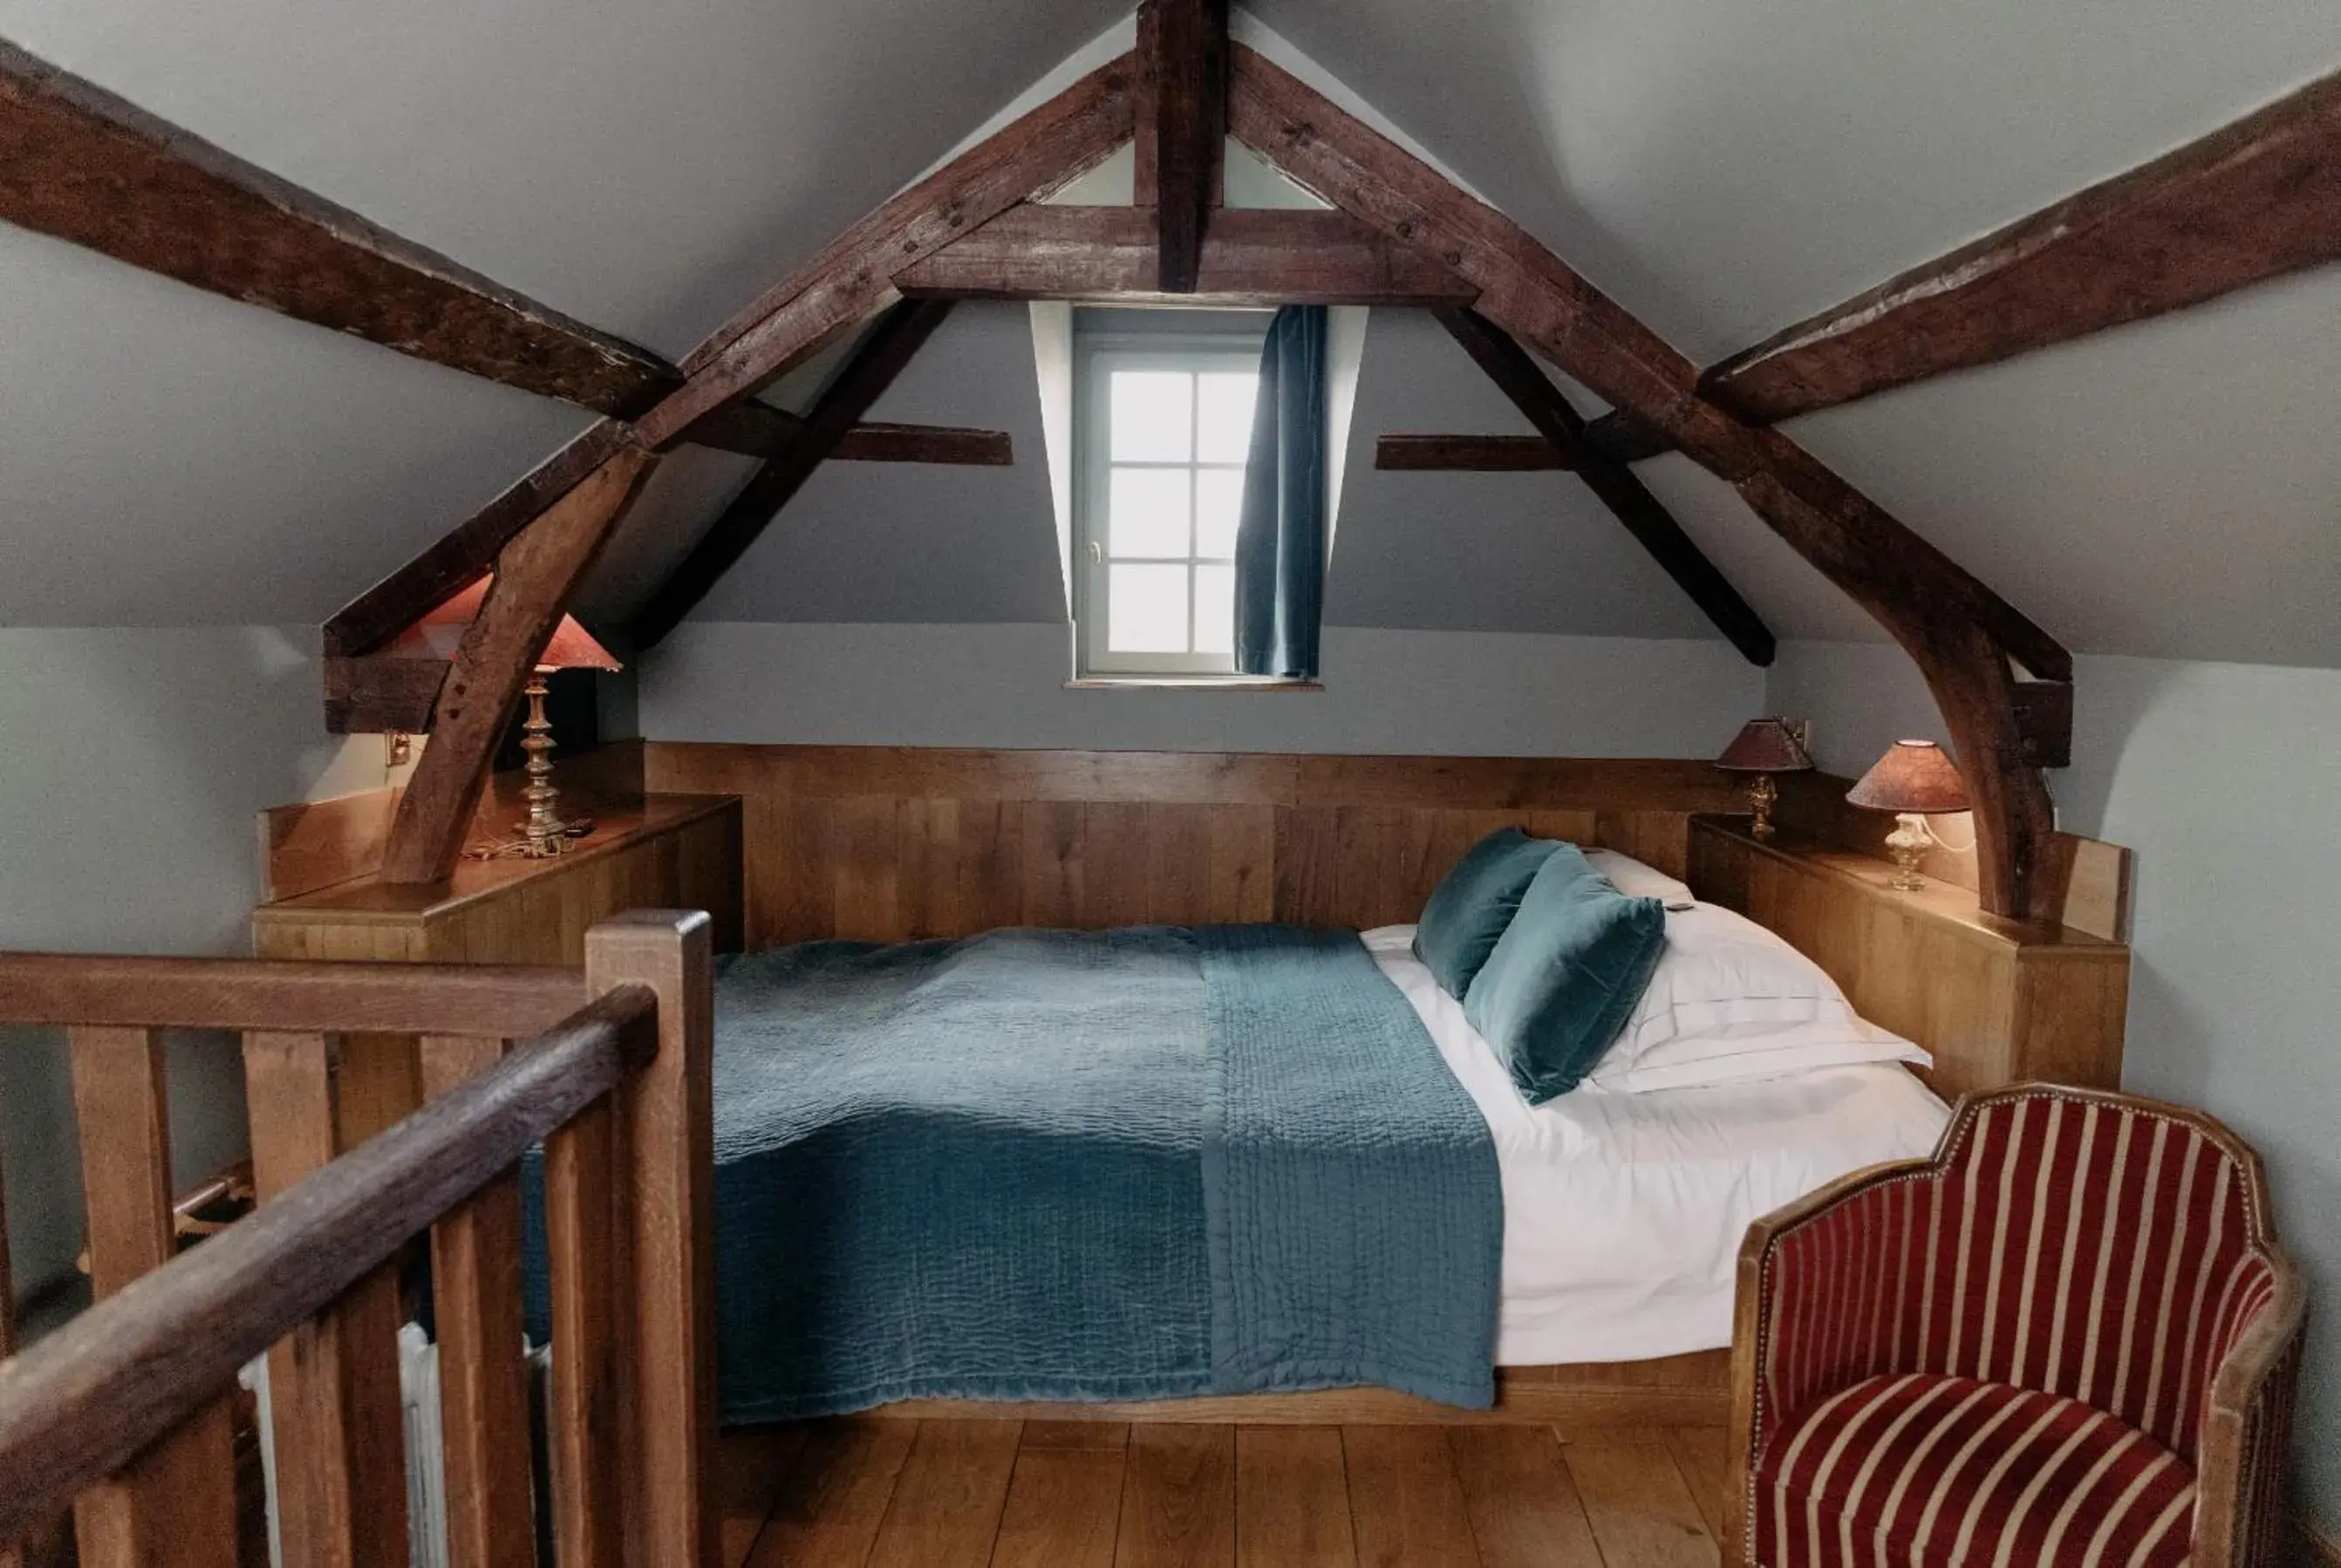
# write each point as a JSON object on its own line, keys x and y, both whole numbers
{"x": 1161, "y": 1163}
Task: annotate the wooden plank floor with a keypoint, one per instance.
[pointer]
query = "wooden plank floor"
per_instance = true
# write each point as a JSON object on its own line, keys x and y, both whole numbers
{"x": 850, "y": 1493}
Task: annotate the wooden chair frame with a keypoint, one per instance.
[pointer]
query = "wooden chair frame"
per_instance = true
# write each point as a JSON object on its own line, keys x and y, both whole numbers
{"x": 2239, "y": 1511}
{"x": 123, "y": 1411}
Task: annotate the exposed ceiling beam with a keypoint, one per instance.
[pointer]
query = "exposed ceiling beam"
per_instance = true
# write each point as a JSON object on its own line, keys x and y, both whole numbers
{"x": 753, "y": 428}
{"x": 460, "y": 558}
{"x": 2252, "y": 201}
{"x": 535, "y": 575}
{"x": 1959, "y": 634}
{"x": 1520, "y": 379}
{"x": 1185, "y": 67}
{"x": 851, "y": 279}
{"x": 1248, "y": 257}
{"x": 1469, "y": 454}
{"x": 82, "y": 165}
{"x": 875, "y": 365}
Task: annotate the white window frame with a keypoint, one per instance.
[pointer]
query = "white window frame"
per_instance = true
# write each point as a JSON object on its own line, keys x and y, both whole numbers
{"x": 1096, "y": 356}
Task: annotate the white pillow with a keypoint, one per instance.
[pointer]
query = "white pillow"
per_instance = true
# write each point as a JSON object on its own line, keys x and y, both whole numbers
{"x": 1730, "y": 1001}
{"x": 1635, "y": 879}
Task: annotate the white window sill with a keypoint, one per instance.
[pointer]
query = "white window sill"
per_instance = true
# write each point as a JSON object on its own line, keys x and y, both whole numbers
{"x": 1191, "y": 683}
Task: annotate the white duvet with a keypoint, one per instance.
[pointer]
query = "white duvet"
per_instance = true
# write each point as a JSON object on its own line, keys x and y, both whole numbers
{"x": 1623, "y": 1213}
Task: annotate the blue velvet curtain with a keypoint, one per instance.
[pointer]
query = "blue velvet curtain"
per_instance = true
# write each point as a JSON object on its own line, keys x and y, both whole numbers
{"x": 1280, "y": 540}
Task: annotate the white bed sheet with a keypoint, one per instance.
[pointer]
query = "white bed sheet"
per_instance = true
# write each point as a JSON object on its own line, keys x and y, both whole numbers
{"x": 1623, "y": 1213}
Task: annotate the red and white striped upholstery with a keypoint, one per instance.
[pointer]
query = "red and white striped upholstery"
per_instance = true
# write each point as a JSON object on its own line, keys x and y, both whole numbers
{"x": 2007, "y": 1355}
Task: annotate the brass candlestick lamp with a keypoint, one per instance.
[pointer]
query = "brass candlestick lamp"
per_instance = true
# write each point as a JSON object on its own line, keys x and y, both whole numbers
{"x": 1915, "y": 780}
{"x": 1765, "y": 746}
{"x": 544, "y": 834}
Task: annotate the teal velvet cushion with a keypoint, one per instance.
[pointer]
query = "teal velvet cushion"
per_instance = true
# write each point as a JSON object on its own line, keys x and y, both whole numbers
{"x": 1474, "y": 902}
{"x": 1566, "y": 974}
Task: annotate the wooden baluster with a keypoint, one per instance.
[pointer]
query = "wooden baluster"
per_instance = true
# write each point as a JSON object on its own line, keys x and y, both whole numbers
{"x": 341, "y": 1475}
{"x": 666, "y": 1120}
{"x": 176, "y": 1504}
{"x": 590, "y": 1276}
{"x": 475, "y": 1282}
{"x": 10, "y": 1555}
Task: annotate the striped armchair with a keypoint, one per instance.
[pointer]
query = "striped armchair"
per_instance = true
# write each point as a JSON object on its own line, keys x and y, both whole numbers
{"x": 2068, "y": 1337}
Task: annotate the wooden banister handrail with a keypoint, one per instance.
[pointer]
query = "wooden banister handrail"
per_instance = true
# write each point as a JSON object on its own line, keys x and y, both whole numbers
{"x": 96, "y": 1393}
{"x": 295, "y": 997}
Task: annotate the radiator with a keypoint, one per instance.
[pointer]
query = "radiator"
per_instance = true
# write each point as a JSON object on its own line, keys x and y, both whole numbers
{"x": 427, "y": 1470}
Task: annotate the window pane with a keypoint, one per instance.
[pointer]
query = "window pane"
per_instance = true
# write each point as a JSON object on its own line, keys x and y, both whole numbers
{"x": 1215, "y": 609}
{"x": 1218, "y": 504}
{"x": 1226, "y": 433}
{"x": 1147, "y": 610}
{"x": 1146, "y": 510}
{"x": 1153, "y": 416}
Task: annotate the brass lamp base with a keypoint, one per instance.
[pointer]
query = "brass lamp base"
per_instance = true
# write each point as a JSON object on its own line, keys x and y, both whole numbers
{"x": 1761, "y": 794}
{"x": 544, "y": 836}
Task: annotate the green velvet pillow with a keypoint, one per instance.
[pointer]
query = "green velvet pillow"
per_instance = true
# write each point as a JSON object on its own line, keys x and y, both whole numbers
{"x": 1474, "y": 902}
{"x": 1565, "y": 977}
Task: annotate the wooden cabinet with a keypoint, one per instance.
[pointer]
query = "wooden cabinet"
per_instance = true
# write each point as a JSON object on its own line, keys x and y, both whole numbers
{"x": 1997, "y": 1001}
{"x": 659, "y": 851}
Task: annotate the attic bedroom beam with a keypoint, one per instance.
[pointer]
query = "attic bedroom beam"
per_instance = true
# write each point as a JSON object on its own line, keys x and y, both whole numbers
{"x": 872, "y": 369}
{"x": 1183, "y": 77}
{"x": 535, "y": 576}
{"x": 1520, "y": 379}
{"x": 2252, "y": 201}
{"x": 1251, "y": 256}
{"x": 84, "y": 165}
{"x": 1961, "y": 635}
{"x": 1468, "y": 454}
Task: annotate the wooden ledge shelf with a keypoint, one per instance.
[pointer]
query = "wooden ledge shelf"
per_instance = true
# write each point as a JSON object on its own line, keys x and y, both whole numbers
{"x": 2000, "y": 999}
{"x": 661, "y": 850}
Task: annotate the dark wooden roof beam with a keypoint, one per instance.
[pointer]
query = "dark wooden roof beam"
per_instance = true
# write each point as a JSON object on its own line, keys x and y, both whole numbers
{"x": 2252, "y": 201}
{"x": 1183, "y": 49}
{"x": 875, "y": 364}
{"x": 1469, "y": 454}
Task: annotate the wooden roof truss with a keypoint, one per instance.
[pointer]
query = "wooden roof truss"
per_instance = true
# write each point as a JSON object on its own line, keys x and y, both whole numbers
{"x": 2260, "y": 197}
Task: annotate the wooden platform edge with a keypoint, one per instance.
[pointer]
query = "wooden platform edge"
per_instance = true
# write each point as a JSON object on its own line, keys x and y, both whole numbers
{"x": 1695, "y": 1392}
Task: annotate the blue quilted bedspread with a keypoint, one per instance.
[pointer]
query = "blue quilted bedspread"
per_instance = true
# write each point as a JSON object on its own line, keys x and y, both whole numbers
{"x": 1057, "y": 1164}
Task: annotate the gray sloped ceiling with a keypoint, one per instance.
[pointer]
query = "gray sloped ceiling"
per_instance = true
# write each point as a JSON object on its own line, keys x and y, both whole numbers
{"x": 2170, "y": 488}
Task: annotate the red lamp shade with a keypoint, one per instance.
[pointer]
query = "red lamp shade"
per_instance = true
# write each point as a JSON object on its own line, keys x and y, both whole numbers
{"x": 438, "y": 634}
{"x": 1764, "y": 746}
{"x": 1913, "y": 777}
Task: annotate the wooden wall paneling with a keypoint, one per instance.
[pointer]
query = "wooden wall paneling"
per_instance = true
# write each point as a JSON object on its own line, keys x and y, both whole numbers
{"x": 1243, "y": 877}
{"x": 990, "y": 888}
{"x": 340, "y": 1479}
{"x": 1995, "y": 1001}
{"x": 176, "y": 1504}
{"x": 1051, "y": 849}
{"x": 1116, "y": 863}
{"x": 928, "y": 888}
{"x": 317, "y": 843}
{"x": 1177, "y": 879}
{"x": 866, "y": 869}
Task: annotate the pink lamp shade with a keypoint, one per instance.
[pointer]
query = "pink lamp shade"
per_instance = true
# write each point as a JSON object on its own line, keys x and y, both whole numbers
{"x": 1764, "y": 746}
{"x": 1913, "y": 777}
{"x": 438, "y": 634}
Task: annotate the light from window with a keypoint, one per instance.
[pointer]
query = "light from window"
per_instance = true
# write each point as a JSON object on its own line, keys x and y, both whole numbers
{"x": 1174, "y": 493}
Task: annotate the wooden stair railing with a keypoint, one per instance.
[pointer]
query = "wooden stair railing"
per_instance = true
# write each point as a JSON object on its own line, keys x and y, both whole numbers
{"x": 123, "y": 1413}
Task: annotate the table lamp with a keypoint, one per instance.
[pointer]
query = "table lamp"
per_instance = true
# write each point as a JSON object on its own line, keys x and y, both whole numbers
{"x": 1915, "y": 780}
{"x": 1765, "y": 746}
{"x": 440, "y": 633}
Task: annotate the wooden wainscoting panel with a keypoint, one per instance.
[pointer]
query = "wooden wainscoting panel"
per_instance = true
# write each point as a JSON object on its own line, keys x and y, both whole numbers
{"x": 889, "y": 843}
{"x": 1995, "y": 1000}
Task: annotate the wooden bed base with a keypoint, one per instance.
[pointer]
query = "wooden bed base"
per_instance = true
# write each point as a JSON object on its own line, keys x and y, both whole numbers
{"x": 1693, "y": 1390}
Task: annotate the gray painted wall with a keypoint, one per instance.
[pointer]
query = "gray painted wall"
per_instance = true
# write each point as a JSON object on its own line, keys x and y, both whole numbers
{"x": 131, "y": 765}
{"x": 2221, "y": 778}
{"x": 1452, "y": 693}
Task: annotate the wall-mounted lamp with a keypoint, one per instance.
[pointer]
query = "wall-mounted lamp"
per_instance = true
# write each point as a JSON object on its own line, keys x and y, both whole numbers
{"x": 1915, "y": 780}
{"x": 1765, "y": 746}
